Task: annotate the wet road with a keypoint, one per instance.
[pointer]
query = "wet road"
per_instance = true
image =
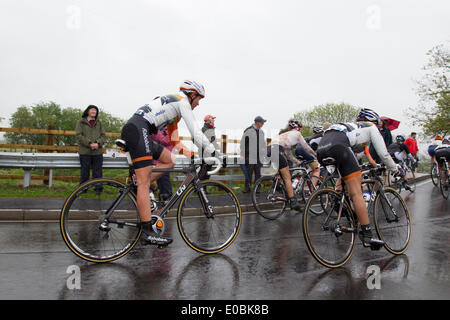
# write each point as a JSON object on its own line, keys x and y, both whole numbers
{"x": 269, "y": 260}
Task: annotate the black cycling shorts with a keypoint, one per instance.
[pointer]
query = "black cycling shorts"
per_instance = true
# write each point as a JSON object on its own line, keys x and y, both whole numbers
{"x": 276, "y": 156}
{"x": 142, "y": 149}
{"x": 442, "y": 153}
{"x": 335, "y": 144}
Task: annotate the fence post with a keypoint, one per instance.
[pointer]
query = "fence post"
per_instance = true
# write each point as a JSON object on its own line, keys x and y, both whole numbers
{"x": 50, "y": 142}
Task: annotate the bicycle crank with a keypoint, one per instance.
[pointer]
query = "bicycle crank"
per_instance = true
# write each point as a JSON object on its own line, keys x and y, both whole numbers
{"x": 158, "y": 224}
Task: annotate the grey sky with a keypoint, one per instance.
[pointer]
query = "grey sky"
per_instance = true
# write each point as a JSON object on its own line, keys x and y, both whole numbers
{"x": 269, "y": 58}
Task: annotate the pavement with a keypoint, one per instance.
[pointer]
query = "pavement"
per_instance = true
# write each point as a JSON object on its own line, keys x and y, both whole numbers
{"x": 36, "y": 209}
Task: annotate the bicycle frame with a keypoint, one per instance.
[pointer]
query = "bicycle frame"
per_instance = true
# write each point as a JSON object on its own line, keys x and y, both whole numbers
{"x": 191, "y": 178}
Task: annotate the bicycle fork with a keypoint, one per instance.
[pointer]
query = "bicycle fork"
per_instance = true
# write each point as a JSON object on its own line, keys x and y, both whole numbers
{"x": 336, "y": 228}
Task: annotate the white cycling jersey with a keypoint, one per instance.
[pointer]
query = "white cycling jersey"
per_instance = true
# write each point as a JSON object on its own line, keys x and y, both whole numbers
{"x": 442, "y": 146}
{"x": 361, "y": 134}
{"x": 290, "y": 139}
{"x": 166, "y": 110}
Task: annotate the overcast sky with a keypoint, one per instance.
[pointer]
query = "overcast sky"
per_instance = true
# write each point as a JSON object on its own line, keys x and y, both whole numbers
{"x": 255, "y": 57}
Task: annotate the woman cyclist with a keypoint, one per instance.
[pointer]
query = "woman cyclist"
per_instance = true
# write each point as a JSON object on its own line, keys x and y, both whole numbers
{"x": 340, "y": 142}
{"x": 164, "y": 111}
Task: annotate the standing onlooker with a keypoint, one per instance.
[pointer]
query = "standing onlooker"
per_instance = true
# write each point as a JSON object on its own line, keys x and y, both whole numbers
{"x": 387, "y": 137}
{"x": 411, "y": 143}
{"x": 209, "y": 131}
{"x": 91, "y": 139}
{"x": 253, "y": 150}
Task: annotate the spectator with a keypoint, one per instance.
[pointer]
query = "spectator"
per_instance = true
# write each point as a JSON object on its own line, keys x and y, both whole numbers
{"x": 253, "y": 151}
{"x": 411, "y": 143}
{"x": 210, "y": 133}
{"x": 387, "y": 137}
{"x": 164, "y": 184}
{"x": 91, "y": 138}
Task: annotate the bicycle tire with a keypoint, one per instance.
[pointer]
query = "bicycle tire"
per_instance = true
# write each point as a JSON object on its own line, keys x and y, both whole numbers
{"x": 328, "y": 248}
{"x": 444, "y": 183}
{"x": 204, "y": 234}
{"x": 307, "y": 187}
{"x": 395, "y": 232}
{"x": 82, "y": 216}
{"x": 434, "y": 172}
{"x": 269, "y": 197}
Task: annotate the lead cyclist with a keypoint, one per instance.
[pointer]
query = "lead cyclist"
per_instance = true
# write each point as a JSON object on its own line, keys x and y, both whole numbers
{"x": 163, "y": 111}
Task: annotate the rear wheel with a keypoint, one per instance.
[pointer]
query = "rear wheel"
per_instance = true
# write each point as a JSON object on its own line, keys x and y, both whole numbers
{"x": 88, "y": 232}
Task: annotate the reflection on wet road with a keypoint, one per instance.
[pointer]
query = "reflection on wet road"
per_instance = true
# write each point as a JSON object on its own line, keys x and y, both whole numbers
{"x": 269, "y": 260}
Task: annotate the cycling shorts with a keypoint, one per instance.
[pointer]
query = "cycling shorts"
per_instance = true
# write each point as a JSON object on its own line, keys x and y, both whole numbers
{"x": 278, "y": 159}
{"x": 431, "y": 150}
{"x": 142, "y": 149}
{"x": 442, "y": 153}
{"x": 301, "y": 152}
{"x": 335, "y": 144}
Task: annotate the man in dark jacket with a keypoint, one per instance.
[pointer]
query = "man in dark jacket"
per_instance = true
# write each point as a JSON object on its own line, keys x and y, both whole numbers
{"x": 387, "y": 137}
{"x": 253, "y": 151}
{"x": 209, "y": 131}
{"x": 91, "y": 138}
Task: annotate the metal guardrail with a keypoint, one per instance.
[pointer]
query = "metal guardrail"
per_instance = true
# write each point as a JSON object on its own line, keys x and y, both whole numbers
{"x": 30, "y": 161}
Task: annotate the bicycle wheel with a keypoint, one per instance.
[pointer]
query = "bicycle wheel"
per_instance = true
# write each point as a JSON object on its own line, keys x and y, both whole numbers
{"x": 269, "y": 197}
{"x": 434, "y": 172}
{"x": 330, "y": 241}
{"x": 444, "y": 182}
{"x": 209, "y": 233}
{"x": 308, "y": 186}
{"x": 392, "y": 221}
{"x": 84, "y": 228}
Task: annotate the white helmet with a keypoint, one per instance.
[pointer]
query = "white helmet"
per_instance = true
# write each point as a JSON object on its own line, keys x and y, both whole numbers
{"x": 318, "y": 129}
{"x": 192, "y": 86}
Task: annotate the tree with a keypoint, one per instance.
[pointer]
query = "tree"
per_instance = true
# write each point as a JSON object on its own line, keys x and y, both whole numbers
{"x": 43, "y": 114}
{"x": 433, "y": 110}
{"x": 321, "y": 114}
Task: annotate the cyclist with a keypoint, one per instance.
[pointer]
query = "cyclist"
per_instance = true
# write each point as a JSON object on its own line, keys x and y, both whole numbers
{"x": 281, "y": 148}
{"x": 339, "y": 142}
{"x": 314, "y": 140}
{"x": 163, "y": 111}
{"x": 442, "y": 151}
{"x": 432, "y": 148}
{"x": 292, "y": 138}
{"x": 397, "y": 151}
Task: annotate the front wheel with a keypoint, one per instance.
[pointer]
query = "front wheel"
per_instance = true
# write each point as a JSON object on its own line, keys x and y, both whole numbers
{"x": 392, "y": 221}
{"x": 269, "y": 197}
{"x": 434, "y": 174}
{"x": 331, "y": 240}
{"x": 209, "y": 222}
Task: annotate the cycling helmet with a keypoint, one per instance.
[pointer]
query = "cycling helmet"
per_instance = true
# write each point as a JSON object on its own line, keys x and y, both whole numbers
{"x": 295, "y": 124}
{"x": 445, "y": 141}
{"x": 438, "y": 138}
{"x": 400, "y": 138}
{"x": 318, "y": 129}
{"x": 188, "y": 86}
{"x": 368, "y": 115}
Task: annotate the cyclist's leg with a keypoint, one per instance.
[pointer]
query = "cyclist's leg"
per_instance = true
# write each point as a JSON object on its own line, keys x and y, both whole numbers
{"x": 283, "y": 169}
{"x": 315, "y": 171}
{"x": 166, "y": 160}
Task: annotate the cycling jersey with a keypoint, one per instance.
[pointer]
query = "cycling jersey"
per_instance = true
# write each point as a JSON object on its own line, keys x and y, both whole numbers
{"x": 289, "y": 139}
{"x": 167, "y": 111}
{"x": 442, "y": 151}
{"x": 359, "y": 135}
{"x": 398, "y": 147}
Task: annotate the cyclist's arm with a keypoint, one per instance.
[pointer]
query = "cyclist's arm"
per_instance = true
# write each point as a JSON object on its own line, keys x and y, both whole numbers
{"x": 369, "y": 157}
{"x": 172, "y": 131}
{"x": 200, "y": 140}
{"x": 305, "y": 145}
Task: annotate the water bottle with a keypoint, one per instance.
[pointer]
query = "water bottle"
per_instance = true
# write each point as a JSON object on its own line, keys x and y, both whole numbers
{"x": 366, "y": 196}
{"x": 295, "y": 183}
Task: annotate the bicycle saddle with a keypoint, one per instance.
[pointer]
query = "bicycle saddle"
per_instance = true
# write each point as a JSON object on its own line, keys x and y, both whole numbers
{"x": 328, "y": 161}
{"x": 121, "y": 144}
